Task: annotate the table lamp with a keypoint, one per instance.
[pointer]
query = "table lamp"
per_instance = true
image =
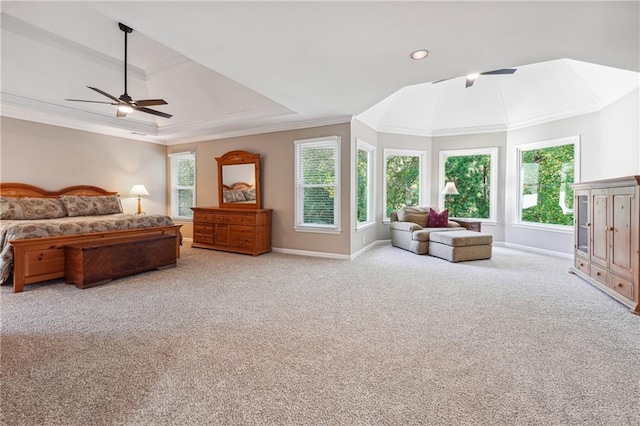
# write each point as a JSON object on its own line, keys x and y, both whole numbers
{"x": 139, "y": 190}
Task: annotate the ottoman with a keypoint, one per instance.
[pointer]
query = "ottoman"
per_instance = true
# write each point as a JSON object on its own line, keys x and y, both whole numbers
{"x": 460, "y": 246}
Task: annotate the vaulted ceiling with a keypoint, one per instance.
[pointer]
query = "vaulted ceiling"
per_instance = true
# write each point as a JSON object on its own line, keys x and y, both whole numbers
{"x": 235, "y": 68}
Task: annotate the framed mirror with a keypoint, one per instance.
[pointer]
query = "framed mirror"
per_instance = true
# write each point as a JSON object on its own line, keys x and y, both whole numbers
{"x": 239, "y": 180}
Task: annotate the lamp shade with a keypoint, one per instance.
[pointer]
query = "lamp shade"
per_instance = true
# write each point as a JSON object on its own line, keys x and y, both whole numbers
{"x": 450, "y": 189}
{"x": 138, "y": 190}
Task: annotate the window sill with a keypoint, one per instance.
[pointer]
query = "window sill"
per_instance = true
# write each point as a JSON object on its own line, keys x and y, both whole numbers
{"x": 363, "y": 226}
{"x": 314, "y": 230}
{"x": 560, "y": 229}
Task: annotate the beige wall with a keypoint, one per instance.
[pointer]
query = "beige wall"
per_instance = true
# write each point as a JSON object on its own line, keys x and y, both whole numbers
{"x": 277, "y": 164}
{"x": 54, "y": 157}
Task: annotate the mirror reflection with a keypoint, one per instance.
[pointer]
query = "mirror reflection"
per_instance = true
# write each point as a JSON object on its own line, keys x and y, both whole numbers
{"x": 238, "y": 183}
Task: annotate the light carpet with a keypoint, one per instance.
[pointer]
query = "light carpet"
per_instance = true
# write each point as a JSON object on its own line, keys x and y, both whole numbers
{"x": 390, "y": 338}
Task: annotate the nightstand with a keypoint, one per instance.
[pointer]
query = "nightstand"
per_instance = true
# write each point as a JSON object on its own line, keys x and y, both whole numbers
{"x": 469, "y": 224}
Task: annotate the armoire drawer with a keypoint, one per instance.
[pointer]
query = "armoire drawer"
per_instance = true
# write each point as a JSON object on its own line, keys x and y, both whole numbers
{"x": 600, "y": 274}
{"x": 583, "y": 266}
{"x": 622, "y": 286}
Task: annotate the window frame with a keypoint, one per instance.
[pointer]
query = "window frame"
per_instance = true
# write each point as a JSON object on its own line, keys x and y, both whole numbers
{"x": 423, "y": 192}
{"x": 493, "y": 188}
{"x": 520, "y": 149}
{"x": 174, "y": 187}
{"x": 299, "y": 225}
{"x": 371, "y": 154}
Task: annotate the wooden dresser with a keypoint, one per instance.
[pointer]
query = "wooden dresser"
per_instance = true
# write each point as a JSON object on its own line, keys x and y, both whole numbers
{"x": 245, "y": 231}
{"x": 607, "y": 230}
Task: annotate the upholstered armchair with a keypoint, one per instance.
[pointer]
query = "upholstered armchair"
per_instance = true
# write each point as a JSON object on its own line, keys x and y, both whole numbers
{"x": 410, "y": 227}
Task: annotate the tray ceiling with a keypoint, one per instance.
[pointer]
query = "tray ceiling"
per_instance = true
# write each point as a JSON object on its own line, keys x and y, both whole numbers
{"x": 235, "y": 68}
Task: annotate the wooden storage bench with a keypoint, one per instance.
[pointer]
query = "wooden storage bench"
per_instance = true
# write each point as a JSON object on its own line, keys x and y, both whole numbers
{"x": 97, "y": 262}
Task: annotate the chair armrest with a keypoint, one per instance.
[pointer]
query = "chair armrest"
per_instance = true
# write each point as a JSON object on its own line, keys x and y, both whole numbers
{"x": 405, "y": 226}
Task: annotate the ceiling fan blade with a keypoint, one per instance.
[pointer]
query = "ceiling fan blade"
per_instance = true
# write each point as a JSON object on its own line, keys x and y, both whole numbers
{"x": 120, "y": 113}
{"x": 153, "y": 111}
{"x": 150, "y": 102}
{"x": 106, "y": 94}
{"x": 93, "y": 102}
{"x": 469, "y": 82}
{"x": 440, "y": 81}
{"x": 502, "y": 71}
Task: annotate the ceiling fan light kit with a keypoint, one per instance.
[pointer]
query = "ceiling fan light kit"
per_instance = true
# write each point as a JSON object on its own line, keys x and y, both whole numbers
{"x": 471, "y": 78}
{"x": 125, "y": 103}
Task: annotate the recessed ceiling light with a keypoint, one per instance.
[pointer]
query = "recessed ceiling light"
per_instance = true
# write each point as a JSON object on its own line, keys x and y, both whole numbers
{"x": 420, "y": 54}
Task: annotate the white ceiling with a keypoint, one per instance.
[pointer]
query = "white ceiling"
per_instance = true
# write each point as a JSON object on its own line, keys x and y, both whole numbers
{"x": 235, "y": 68}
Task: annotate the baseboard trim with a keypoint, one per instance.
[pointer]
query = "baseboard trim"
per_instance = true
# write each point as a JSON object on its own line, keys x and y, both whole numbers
{"x": 534, "y": 250}
{"x": 311, "y": 253}
{"x": 330, "y": 255}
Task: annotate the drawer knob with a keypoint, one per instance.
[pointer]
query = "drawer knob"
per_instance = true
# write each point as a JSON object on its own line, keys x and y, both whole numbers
{"x": 619, "y": 285}
{"x": 598, "y": 273}
{"x": 581, "y": 264}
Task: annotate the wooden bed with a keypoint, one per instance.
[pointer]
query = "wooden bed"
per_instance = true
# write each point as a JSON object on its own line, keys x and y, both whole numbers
{"x": 41, "y": 259}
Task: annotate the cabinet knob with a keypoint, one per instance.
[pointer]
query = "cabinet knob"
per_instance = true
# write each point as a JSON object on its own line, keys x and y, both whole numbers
{"x": 619, "y": 285}
{"x": 587, "y": 224}
{"x": 598, "y": 273}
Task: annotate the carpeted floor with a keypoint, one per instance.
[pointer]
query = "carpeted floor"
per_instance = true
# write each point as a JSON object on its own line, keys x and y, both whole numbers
{"x": 390, "y": 338}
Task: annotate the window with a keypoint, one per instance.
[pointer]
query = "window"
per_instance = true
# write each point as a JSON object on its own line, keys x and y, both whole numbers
{"x": 403, "y": 179}
{"x": 364, "y": 171}
{"x": 317, "y": 191}
{"x": 183, "y": 184}
{"x": 547, "y": 170}
{"x": 474, "y": 171}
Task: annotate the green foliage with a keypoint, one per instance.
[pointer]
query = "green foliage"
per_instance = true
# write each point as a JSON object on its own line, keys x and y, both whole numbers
{"x": 362, "y": 174}
{"x": 403, "y": 182}
{"x": 472, "y": 176}
{"x": 546, "y": 176}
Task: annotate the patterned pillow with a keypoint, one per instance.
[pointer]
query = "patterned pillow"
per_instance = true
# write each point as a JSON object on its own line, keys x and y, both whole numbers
{"x": 78, "y": 205}
{"x": 438, "y": 220}
{"x": 30, "y": 208}
{"x": 249, "y": 194}
{"x": 232, "y": 196}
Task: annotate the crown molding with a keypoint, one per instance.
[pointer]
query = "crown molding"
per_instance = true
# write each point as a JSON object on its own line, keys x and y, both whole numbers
{"x": 55, "y": 41}
{"x": 303, "y": 124}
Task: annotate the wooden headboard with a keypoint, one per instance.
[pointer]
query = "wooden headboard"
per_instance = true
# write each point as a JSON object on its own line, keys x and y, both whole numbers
{"x": 13, "y": 189}
{"x": 237, "y": 186}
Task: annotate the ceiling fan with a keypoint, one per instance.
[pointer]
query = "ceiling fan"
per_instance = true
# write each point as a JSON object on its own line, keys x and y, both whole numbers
{"x": 125, "y": 103}
{"x": 471, "y": 78}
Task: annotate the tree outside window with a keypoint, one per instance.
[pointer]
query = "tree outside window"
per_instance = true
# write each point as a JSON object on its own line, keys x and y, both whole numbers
{"x": 364, "y": 175}
{"x": 474, "y": 171}
{"x": 402, "y": 180}
{"x": 472, "y": 176}
{"x": 546, "y": 175}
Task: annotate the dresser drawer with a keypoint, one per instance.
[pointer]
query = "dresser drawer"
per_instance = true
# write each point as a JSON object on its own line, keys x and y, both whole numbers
{"x": 583, "y": 265}
{"x": 600, "y": 274}
{"x": 202, "y": 217}
{"x": 203, "y": 238}
{"x": 201, "y": 228}
{"x": 242, "y": 219}
{"x": 621, "y": 285}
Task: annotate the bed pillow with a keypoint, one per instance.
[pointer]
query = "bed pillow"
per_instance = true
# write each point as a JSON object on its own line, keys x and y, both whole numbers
{"x": 20, "y": 208}
{"x": 232, "y": 196}
{"x": 438, "y": 220}
{"x": 79, "y": 205}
